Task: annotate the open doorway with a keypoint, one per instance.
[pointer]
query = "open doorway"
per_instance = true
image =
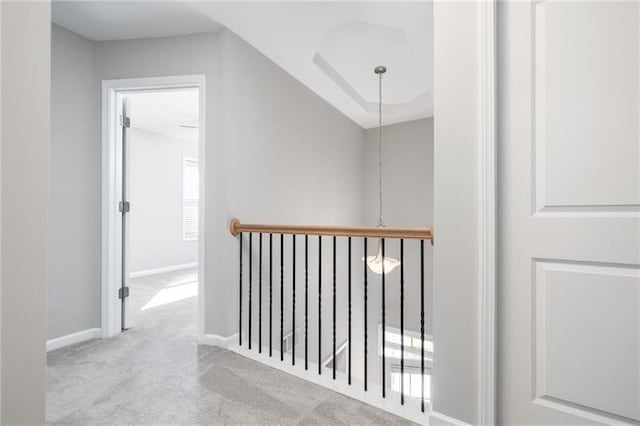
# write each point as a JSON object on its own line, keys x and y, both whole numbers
{"x": 162, "y": 182}
{"x": 153, "y": 205}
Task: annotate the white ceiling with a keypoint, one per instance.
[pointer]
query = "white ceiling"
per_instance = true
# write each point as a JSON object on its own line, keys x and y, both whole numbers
{"x": 331, "y": 47}
{"x": 173, "y": 113}
{"x": 121, "y": 20}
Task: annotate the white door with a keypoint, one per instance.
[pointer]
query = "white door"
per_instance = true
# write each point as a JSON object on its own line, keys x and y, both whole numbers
{"x": 569, "y": 212}
{"x": 124, "y": 207}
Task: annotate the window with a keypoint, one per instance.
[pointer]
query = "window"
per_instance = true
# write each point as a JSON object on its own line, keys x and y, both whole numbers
{"x": 412, "y": 381}
{"x": 190, "y": 199}
{"x": 412, "y": 343}
{"x": 412, "y": 361}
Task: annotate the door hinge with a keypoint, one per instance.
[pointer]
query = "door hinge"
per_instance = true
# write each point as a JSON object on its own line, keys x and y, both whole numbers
{"x": 124, "y": 207}
{"x": 125, "y": 121}
{"x": 123, "y": 292}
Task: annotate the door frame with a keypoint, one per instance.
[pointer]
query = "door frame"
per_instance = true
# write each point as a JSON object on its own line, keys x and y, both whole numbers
{"x": 487, "y": 291}
{"x": 111, "y": 217}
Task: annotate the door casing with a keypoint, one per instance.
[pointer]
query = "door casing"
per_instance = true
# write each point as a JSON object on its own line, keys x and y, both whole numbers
{"x": 111, "y": 190}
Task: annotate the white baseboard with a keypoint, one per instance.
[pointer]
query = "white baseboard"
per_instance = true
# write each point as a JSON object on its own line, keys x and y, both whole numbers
{"x": 439, "y": 419}
{"x": 219, "y": 341}
{"x": 70, "y": 339}
{"x": 163, "y": 269}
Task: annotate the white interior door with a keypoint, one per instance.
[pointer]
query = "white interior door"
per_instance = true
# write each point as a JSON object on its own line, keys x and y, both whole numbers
{"x": 124, "y": 207}
{"x": 569, "y": 212}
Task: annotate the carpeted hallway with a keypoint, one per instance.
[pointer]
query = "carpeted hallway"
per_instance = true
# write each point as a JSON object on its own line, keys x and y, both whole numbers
{"x": 155, "y": 373}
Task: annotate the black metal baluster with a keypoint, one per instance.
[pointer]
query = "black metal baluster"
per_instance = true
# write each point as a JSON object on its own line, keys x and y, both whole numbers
{"x": 281, "y": 297}
{"x": 334, "y": 308}
{"x": 422, "y": 321}
{"x": 293, "y": 296}
{"x": 365, "y": 313}
{"x": 384, "y": 357}
{"x": 240, "y": 298}
{"x": 402, "y": 322}
{"x": 250, "y": 278}
{"x": 306, "y": 302}
{"x": 349, "y": 309}
{"x": 270, "y": 295}
{"x": 260, "y": 294}
{"x": 320, "y": 304}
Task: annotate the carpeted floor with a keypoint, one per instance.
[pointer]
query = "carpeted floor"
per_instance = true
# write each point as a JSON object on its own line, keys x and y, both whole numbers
{"x": 155, "y": 373}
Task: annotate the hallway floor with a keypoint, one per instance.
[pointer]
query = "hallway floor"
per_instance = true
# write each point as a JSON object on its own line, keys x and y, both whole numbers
{"x": 155, "y": 373}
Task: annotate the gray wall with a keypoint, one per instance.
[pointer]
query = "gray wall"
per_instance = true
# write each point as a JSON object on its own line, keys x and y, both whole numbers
{"x": 25, "y": 83}
{"x": 456, "y": 207}
{"x": 407, "y": 174}
{"x": 155, "y": 191}
{"x": 73, "y": 296}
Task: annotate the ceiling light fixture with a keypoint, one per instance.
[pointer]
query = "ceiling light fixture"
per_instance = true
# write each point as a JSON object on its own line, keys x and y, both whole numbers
{"x": 380, "y": 264}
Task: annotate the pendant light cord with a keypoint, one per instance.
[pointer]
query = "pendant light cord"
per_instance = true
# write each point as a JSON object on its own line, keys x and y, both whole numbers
{"x": 380, "y": 222}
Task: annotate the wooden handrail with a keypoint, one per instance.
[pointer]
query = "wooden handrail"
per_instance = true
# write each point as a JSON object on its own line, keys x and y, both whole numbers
{"x": 237, "y": 227}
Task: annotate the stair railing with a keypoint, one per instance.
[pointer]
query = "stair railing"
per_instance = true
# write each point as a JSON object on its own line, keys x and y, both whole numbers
{"x": 382, "y": 234}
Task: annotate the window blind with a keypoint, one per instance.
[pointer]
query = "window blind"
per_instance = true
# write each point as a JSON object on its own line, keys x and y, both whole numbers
{"x": 190, "y": 199}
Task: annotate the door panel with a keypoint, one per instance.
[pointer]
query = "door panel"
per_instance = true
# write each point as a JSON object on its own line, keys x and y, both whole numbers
{"x": 586, "y": 102}
{"x": 569, "y": 212}
{"x": 582, "y": 312}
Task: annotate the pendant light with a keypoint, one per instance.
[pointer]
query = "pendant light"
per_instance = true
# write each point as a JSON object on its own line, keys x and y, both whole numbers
{"x": 379, "y": 263}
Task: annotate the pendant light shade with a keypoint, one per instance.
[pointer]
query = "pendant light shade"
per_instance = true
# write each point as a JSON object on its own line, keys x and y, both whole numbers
{"x": 379, "y": 264}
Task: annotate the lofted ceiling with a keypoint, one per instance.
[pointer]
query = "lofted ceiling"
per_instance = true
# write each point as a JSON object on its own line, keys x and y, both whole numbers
{"x": 331, "y": 47}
